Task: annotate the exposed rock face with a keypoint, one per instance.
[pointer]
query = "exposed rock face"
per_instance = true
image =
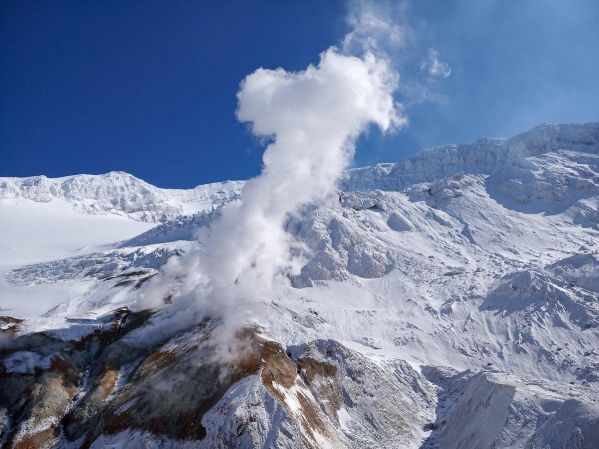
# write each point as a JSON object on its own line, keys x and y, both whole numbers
{"x": 102, "y": 386}
{"x": 101, "y": 391}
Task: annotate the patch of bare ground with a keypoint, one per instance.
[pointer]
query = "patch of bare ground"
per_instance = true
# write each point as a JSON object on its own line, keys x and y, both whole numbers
{"x": 45, "y": 395}
{"x": 280, "y": 377}
{"x": 39, "y": 440}
{"x": 168, "y": 392}
{"x": 165, "y": 390}
{"x": 45, "y": 399}
{"x": 9, "y": 326}
{"x": 319, "y": 376}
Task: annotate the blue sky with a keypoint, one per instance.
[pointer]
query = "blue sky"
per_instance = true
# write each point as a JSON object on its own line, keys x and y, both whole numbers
{"x": 149, "y": 87}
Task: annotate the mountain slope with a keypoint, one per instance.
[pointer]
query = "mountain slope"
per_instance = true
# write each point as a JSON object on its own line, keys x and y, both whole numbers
{"x": 448, "y": 301}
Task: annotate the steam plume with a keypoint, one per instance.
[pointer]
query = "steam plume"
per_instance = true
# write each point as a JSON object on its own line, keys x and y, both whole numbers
{"x": 312, "y": 119}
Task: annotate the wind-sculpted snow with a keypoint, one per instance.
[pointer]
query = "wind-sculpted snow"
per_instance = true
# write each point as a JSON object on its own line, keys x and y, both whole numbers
{"x": 544, "y": 301}
{"x": 488, "y": 410}
{"x": 580, "y": 270}
{"x": 451, "y": 304}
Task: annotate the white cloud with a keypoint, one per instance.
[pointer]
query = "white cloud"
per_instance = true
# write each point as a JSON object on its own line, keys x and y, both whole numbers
{"x": 433, "y": 66}
{"x": 376, "y": 26}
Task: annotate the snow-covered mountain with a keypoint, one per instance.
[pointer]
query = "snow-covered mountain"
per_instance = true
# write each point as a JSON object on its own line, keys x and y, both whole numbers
{"x": 449, "y": 301}
{"x": 119, "y": 193}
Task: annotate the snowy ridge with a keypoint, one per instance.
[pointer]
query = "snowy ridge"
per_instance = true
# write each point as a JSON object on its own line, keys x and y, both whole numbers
{"x": 122, "y": 193}
{"x": 119, "y": 193}
{"x": 479, "y": 157}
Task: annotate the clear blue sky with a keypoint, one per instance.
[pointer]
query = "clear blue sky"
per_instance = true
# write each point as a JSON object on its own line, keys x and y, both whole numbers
{"x": 149, "y": 87}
